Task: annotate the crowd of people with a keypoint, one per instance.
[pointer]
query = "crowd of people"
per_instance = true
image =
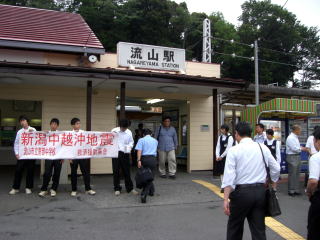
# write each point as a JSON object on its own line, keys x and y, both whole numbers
{"x": 143, "y": 149}
{"x": 244, "y": 175}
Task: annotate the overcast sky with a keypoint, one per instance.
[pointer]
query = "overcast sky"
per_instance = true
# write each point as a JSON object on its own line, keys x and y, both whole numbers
{"x": 307, "y": 11}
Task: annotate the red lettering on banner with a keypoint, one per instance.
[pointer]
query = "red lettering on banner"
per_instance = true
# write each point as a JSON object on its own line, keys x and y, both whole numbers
{"x": 90, "y": 151}
{"x": 92, "y": 139}
{"x": 106, "y": 139}
{"x": 54, "y": 138}
{"x": 67, "y": 139}
{"x": 104, "y": 151}
{"x": 41, "y": 139}
{"x": 99, "y": 151}
{"x": 26, "y": 139}
{"x": 79, "y": 152}
{"x": 94, "y": 152}
{"x": 80, "y": 139}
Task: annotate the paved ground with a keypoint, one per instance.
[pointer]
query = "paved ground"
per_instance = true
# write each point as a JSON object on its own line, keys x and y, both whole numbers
{"x": 181, "y": 209}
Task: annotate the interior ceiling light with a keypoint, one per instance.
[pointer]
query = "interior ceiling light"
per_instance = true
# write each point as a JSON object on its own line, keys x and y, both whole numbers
{"x": 169, "y": 89}
{"x": 153, "y": 101}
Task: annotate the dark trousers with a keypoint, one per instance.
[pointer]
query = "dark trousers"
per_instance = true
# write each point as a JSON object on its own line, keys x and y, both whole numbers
{"x": 149, "y": 162}
{"x": 314, "y": 217}
{"x": 123, "y": 163}
{"x": 55, "y": 166}
{"x": 20, "y": 166}
{"x": 247, "y": 203}
{"x": 84, "y": 167}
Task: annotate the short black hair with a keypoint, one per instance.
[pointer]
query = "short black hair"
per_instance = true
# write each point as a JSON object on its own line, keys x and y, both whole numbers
{"x": 225, "y": 126}
{"x": 24, "y": 117}
{"x": 124, "y": 123}
{"x": 147, "y": 131}
{"x": 74, "y": 120}
{"x": 316, "y": 127}
{"x": 260, "y": 125}
{"x": 140, "y": 125}
{"x": 316, "y": 134}
{"x": 55, "y": 120}
{"x": 244, "y": 129}
{"x": 165, "y": 118}
{"x": 270, "y": 132}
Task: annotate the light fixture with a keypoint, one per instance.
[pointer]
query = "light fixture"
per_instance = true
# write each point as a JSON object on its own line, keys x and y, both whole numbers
{"x": 156, "y": 100}
{"x": 131, "y": 67}
{"x": 169, "y": 89}
{"x": 182, "y": 71}
{"x": 130, "y": 108}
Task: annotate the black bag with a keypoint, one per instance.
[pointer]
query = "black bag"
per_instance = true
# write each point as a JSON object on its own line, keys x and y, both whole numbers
{"x": 143, "y": 176}
{"x": 272, "y": 203}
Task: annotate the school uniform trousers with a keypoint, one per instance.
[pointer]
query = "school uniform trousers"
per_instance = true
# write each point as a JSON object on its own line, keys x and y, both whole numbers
{"x": 84, "y": 167}
{"x": 123, "y": 163}
{"x": 55, "y": 167}
{"x": 314, "y": 217}
{"x": 20, "y": 166}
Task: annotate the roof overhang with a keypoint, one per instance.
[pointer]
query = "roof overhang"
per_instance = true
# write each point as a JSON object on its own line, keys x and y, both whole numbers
{"x": 50, "y": 47}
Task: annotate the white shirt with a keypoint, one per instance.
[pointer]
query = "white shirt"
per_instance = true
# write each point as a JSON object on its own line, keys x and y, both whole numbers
{"x": 293, "y": 144}
{"x": 310, "y": 145}
{"x": 314, "y": 166}
{"x": 125, "y": 140}
{"x": 278, "y": 147}
{"x": 229, "y": 145}
{"x": 16, "y": 141}
{"x": 244, "y": 164}
{"x": 260, "y": 138}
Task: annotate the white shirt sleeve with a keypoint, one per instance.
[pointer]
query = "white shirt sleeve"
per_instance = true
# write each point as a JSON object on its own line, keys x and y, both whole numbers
{"x": 309, "y": 142}
{"x": 230, "y": 142}
{"x": 273, "y": 165}
{"x": 314, "y": 167}
{"x": 16, "y": 143}
{"x": 229, "y": 175}
{"x": 218, "y": 148}
{"x": 278, "y": 152}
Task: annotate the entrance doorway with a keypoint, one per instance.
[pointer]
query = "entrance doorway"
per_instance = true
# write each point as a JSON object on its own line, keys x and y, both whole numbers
{"x": 10, "y": 111}
{"x": 149, "y": 112}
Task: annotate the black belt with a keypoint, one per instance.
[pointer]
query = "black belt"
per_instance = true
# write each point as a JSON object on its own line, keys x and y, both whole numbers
{"x": 148, "y": 156}
{"x": 249, "y": 185}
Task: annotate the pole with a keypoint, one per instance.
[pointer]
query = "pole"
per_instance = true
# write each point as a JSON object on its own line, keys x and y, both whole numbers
{"x": 256, "y": 71}
{"x": 123, "y": 101}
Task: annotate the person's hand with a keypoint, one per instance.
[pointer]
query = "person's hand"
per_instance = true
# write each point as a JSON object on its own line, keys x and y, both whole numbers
{"x": 304, "y": 149}
{"x": 31, "y": 130}
{"x": 70, "y": 161}
{"x": 139, "y": 164}
{"x": 226, "y": 207}
{"x": 17, "y": 156}
{"x": 62, "y": 161}
{"x": 219, "y": 159}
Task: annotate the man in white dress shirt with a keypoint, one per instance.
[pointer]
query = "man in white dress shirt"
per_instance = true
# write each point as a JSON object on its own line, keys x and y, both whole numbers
{"x": 313, "y": 191}
{"x": 293, "y": 150}
{"x": 244, "y": 184}
{"x": 311, "y": 150}
{"x": 125, "y": 141}
{"x": 23, "y": 163}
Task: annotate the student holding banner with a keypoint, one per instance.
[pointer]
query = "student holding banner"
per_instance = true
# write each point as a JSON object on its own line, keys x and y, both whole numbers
{"x": 84, "y": 165}
{"x": 23, "y": 163}
{"x": 51, "y": 166}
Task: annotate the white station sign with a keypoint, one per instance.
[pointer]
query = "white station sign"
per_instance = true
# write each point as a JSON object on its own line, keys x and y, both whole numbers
{"x": 151, "y": 57}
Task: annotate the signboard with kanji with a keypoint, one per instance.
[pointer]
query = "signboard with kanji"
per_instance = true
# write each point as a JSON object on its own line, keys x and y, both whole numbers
{"x": 68, "y": 145}
{"x": 151, "y": 57}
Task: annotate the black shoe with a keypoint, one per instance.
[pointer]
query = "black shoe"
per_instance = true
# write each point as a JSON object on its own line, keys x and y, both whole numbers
{"x": 297, "y": 194}
{"x": 291, "y": 194}
{"x": 163, "y": 176}
{"x": 143, "y": 198}
{"x": 151, "y": 194}
{"x": 172, "y": 176}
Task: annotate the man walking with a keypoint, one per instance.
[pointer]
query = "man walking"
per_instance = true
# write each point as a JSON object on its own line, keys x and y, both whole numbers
{"x": 244, "y": 184}
{"x": 147, "y": 153}
{"x": 313, "y": 191}
{"x": 168, "y": 143}
{"x": 293, "y": 150}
